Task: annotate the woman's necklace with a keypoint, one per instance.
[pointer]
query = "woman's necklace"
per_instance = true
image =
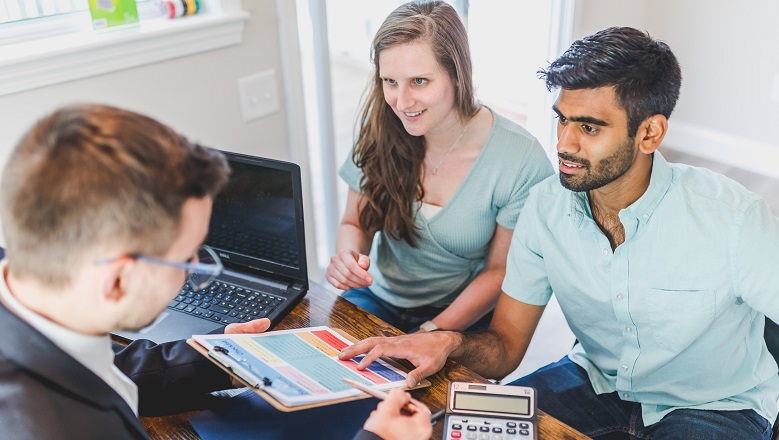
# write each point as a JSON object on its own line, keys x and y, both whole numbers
{"x": 434, "y": 168}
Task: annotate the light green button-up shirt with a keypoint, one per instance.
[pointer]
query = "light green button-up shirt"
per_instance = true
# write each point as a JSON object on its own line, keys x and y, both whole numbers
{"x": 674, "y": 317}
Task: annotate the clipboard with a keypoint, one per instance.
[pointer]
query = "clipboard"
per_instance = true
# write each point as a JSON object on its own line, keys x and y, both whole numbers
{"x": 273, "y": 401}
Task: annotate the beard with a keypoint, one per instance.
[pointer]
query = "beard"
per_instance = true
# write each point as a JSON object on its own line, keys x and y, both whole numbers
{"x": 603, "y": 172}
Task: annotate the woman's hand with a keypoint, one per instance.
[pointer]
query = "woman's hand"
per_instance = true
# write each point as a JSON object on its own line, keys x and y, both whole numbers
{"x": 349, "y": 270}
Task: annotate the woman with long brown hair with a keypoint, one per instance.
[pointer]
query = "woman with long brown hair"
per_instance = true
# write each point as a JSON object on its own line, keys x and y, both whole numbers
{"x": 436, "y": 177}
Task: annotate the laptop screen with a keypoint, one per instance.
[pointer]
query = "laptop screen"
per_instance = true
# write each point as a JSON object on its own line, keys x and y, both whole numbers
{"x": 257, "y": 219}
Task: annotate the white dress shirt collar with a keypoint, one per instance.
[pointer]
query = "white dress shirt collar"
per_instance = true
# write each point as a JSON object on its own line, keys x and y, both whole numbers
{"x": 93, "y": 352}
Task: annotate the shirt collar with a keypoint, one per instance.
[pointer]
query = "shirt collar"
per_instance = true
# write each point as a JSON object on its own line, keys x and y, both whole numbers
{"x": 659, "y": 182}
{"x": 81, "y": 346}
{"x": 93, "y": 352}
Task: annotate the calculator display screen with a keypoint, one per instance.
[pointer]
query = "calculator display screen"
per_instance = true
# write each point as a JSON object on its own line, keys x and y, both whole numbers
{"x": 492, "y": 403}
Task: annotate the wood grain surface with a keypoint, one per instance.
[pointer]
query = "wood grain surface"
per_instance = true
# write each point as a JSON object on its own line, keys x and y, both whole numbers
{"x": 322, "y": 307}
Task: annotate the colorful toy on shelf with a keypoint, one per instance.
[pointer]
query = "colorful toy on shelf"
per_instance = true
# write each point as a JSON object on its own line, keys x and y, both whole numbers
{"x": 110, "y": 13}
{"x": 180, "y": 8}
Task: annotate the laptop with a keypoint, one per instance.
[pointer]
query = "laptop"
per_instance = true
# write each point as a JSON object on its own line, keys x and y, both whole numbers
{"x": 257, "y": 230}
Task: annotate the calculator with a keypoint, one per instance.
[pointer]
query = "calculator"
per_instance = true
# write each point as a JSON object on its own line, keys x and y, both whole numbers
{"x": 490, "y": 412}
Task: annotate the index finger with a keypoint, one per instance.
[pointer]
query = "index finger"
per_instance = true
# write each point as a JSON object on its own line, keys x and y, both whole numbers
{"x": 421, "y": 407}
{"x": 398, "y": 397}
{"x": 359, "y": 348}
{"x": 354, "y": 267}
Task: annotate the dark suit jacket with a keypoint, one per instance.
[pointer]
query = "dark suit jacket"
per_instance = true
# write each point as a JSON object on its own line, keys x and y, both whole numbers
{"x": 46, "y": 394}
{"x": 366, "y": 435}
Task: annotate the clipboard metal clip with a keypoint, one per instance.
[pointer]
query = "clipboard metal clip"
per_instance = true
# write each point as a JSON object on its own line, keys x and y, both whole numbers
{"x": 222, "y": 355}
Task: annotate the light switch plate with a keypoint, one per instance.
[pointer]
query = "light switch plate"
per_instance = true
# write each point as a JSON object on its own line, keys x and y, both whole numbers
{"x": 258, "y": 95}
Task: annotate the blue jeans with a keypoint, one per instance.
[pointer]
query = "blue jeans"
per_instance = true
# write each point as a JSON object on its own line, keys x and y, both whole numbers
{"x": 406, "y": 319}
{"x": 565, "y": 392}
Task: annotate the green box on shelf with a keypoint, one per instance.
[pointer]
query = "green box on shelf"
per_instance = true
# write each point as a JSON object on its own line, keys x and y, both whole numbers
{"x": 110, "y": 13}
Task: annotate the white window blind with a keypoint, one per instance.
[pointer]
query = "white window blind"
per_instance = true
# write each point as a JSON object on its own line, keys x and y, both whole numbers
{"x": 25, "y": 20}
{"x": 16, "y": 10}
{"x": 37, "y": 51}
{"x": 20, "y": 10}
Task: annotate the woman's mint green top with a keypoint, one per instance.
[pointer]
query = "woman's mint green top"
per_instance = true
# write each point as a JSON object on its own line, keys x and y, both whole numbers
{"x": 452, "y": 246}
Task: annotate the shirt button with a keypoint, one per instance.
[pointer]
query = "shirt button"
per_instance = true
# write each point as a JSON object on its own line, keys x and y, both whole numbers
{"x": 624, "y": 368}
{"x": 620, "y": 296}
{"x": 645, "y": 216}
{"x": 625, "y": 395}
{"x": 604, "y": 252}
{"x": 628, "y": 329}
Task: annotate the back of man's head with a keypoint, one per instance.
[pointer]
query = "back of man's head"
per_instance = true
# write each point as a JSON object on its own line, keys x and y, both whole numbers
{"x": 88, "y": 176}
{"x": 644, "y": 72}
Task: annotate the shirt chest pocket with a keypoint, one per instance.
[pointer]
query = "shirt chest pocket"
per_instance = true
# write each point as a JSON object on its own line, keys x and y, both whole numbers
{"x": 679, "y": 317}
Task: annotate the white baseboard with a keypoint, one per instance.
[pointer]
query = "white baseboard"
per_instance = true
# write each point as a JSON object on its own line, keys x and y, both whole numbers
{"x": 747, "y": 154}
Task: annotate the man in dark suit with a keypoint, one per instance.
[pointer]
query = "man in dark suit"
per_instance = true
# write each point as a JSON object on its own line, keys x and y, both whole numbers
{"x": 88, "y": 194}
{"x": 104, "y": 212}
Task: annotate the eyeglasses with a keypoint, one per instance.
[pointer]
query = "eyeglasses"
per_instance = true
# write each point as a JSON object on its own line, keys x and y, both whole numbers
{"x": 202, "y": 269}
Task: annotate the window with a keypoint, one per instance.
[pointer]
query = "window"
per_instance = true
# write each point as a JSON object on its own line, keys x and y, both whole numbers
{"x": 62, "y": 46}
{"x": 25, "y": 20}
{"x": 16, "y": 10}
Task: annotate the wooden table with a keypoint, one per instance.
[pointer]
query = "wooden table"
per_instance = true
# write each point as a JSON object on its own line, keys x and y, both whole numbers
{"x": 322, "y": 307}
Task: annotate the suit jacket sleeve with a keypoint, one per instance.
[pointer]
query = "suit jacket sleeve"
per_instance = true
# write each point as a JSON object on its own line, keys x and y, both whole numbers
{"x": 366, "y": 435}
{"x": 171, "y": 377}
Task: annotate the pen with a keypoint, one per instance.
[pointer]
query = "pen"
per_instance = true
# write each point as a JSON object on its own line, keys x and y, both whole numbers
{"x": 408, "y": 408}
{"x": 437, "y": 415}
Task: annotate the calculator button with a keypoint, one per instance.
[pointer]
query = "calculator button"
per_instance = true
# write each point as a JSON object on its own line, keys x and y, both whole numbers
{"x": 484, "y": 437}
{"x": 472, "y": 428}
{"x": 524, "y": 425}
{"x": 496, "y": 437}
{"x": 484, "y": 428}
{"x": 456, "y": 426}
{"x": 471, "y": 436}
{"x": 524, "y": 432}
{"x": 497, "y": 430}
{"x": 511, "y": 424}
{"x": 511, "y": 431}
{"x": 457, "y": 434}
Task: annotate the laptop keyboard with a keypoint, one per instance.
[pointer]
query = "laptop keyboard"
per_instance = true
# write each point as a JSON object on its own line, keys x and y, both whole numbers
{"x": 226, "y": 303}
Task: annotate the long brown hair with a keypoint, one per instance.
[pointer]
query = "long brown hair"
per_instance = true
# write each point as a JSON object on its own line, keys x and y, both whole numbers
{"x": 390, "y": 158}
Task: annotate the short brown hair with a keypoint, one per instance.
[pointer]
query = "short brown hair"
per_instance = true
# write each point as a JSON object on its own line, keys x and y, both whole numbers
{"x": 88, "y": 175}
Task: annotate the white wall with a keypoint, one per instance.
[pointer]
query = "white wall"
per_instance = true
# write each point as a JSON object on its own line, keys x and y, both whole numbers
{"x": 197, "y": 95}
{"x": 591, "y": 16}
{"x": 729, "y": 52}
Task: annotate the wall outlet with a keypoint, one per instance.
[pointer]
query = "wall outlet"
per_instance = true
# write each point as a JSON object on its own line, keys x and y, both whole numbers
{"x": 258, "y": 95}
{"x": 775, "y": 89}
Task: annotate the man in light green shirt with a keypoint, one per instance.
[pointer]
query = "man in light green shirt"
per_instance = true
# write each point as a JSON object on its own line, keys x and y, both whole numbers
{"x": 664, "y": 272}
